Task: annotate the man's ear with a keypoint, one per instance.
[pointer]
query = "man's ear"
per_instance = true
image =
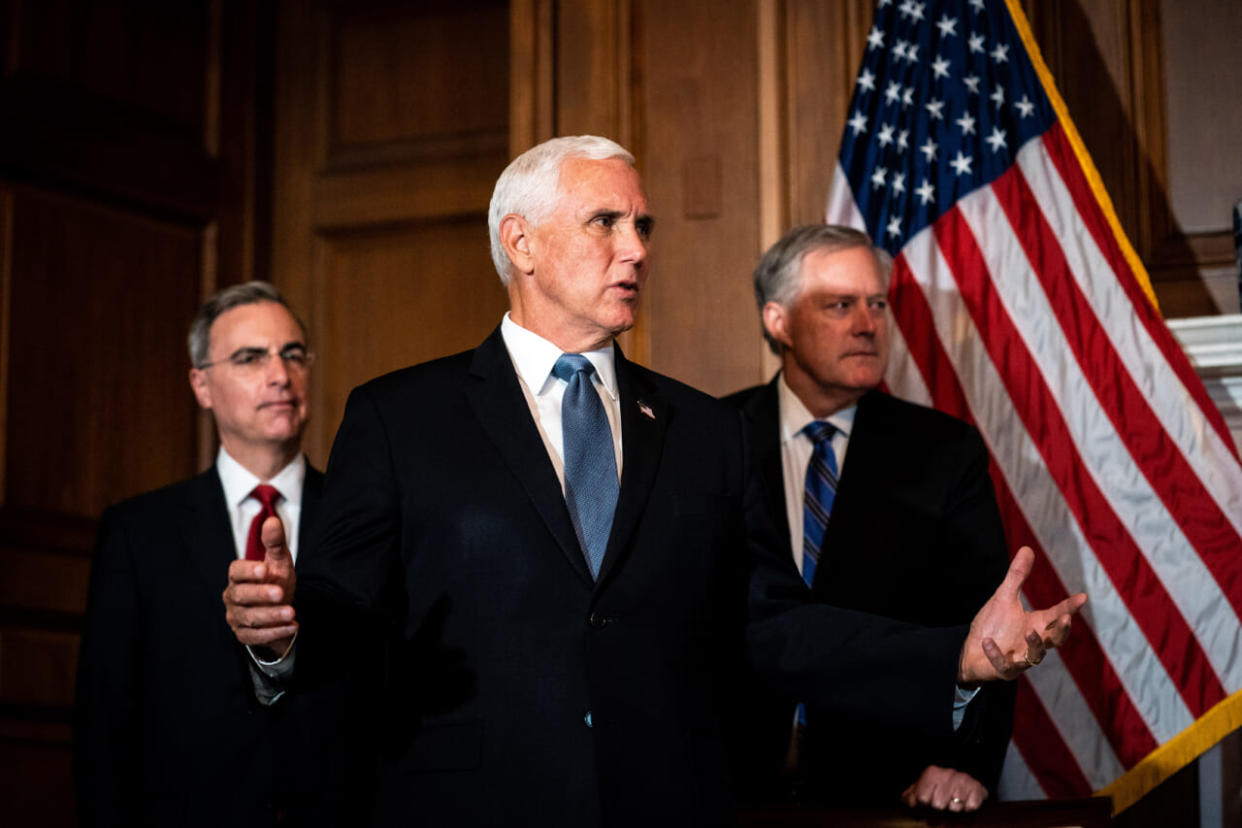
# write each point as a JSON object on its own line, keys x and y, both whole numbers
{"x": 775, "y": 321}
{"x": 515, "y": 238}
{"x": 198, "y": 384}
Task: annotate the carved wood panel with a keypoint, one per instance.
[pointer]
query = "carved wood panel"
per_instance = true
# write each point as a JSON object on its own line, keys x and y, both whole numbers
{"x": 391, "y": 125}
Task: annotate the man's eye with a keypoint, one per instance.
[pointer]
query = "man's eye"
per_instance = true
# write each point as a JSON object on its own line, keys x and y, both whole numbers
{"x": 247, "y": 357}
{"x": 604, "y": 221}
{"x": 644, "y": 229}
{"x": 295, "y": 355}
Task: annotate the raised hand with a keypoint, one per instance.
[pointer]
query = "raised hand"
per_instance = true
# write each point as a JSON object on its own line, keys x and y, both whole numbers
{"x": 258, "y": 601}
{"x": 1005, "y": 640}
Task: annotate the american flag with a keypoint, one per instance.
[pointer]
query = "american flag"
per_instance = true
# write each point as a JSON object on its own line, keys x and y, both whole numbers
{"x": 1021, "y": 307}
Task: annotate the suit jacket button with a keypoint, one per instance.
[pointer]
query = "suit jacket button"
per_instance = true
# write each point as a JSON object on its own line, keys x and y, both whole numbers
{"x": 597, "y": 621}
{"x": 587, "y": 719}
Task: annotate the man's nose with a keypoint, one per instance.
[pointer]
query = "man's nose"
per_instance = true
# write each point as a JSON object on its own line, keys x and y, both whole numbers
{"x": 864, "y": 321}
{"x": 632, "y": 245}
{"x": 277, "y": 373}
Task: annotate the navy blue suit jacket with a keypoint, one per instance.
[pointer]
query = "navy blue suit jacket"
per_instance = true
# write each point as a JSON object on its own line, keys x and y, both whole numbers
{"x": 915, "y": 535}
{"x": 167, "y": 731}
{"x": 514, "y": 689}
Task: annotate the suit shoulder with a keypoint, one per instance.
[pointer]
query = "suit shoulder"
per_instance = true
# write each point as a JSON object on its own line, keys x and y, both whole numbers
{"x": 679, "y": 393}
{"x": 741, "y": 399}
{"x": 415, "y": 378}
{"x": 162, "y": 499}
{"x": 917, "y": 421}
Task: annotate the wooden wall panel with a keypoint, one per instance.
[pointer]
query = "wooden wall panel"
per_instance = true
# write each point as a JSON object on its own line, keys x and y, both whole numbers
{"x": 79, "y": 405}
{"x": 397, "y": 75}
{"x": 128, "y": 191}
{"x": 397, "y": 296}
{"x": 391, "y": 125}
{"x": 699, "y": 71}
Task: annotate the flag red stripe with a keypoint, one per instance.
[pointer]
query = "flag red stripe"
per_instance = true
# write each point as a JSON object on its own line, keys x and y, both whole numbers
{"x": 1082, "y": 654}
{"x": 1066, "y": 162}
{"x": 1114, "y": 548}
{"x": 1084, "y": 659}
{"x": 1043, "y": 749}
{"x": 1161, "y": 461}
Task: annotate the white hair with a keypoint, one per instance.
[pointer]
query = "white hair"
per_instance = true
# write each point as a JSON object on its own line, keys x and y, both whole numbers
{"x": 530, "y": 185}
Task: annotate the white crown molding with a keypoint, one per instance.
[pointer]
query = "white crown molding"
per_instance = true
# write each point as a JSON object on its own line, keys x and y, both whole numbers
{"x": 1214, "y": 346}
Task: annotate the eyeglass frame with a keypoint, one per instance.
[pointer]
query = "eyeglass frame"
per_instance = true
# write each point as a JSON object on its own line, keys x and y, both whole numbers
{"x": 257, "y": 361}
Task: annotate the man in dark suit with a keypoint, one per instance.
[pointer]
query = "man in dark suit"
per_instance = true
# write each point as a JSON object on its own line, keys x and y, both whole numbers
{"x": 914, "y": 531}
{"x": 167, "y": 729}
{"x": 536, "y": 552}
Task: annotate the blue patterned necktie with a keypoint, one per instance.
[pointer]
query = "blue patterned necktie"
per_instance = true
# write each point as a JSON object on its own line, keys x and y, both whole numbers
{"x": 590, "y": 462}
{"x": 821, "y": 490}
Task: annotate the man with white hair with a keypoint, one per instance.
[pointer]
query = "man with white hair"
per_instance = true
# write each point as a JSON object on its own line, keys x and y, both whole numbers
{"x": 547, "y": 545}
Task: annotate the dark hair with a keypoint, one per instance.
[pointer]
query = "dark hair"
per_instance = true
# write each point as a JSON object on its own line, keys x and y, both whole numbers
{"x": 247, "y": 293}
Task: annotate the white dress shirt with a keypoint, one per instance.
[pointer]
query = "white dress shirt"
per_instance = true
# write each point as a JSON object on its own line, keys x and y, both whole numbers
{"x": 533, "y": 358}
{"x": 238, "y": 483}
{"x": 796, "y": 451}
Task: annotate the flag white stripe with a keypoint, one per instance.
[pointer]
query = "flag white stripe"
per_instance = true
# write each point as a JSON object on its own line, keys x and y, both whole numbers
{"x": 1017, "y": 782}
{"x": 902, "y": 376}
{"x": 1172, "y": 404}
{"x": 841, "y": 207}
{"x": 1105, "y": 456}
{"x": 1074, "y": 721}
{"x": 1144, "y": 678}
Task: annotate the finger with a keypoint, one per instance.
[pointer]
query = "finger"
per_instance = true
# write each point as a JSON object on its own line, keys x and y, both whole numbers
{"x": 1001, "y": 663}
{"x": 261, "y": 618}
{"x": 974, "y": 799}
{"x": 1035, "y": 649}
{"x": 940, "y": 797}
{"x": 908, "y": 797}
{"x": 266, "y": 636}
{"x": 253, "y": 595}
{"x": 1019, "y": 568}
{"x": 275, "y": 550}
{"x": 957, "y": 803}
{"x": 242, "y": 571}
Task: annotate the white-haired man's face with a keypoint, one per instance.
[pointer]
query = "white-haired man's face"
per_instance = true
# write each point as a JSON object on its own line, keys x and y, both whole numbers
{"x": 579, "y": 272}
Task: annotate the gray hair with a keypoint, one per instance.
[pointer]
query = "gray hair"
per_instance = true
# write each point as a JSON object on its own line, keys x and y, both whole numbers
{"x": 778, "y": 276}
{"x": 247, "y": 293}
{"x": 530, "y": 185}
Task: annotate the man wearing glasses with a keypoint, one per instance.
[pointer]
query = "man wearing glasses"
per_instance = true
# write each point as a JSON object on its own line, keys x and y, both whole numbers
{"x": 167, "y": 728}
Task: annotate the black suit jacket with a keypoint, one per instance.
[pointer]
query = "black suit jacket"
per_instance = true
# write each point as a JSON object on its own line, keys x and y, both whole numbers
{"x": 514, "y": 689}
{"x": 167, "y": 731}
{"x": 915, "y": 535}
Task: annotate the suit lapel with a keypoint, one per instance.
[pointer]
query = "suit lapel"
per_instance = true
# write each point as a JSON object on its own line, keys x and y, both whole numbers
{"x": 495, "y": 396}
{"x": 763, "y": 409}
{"x": 644, "y": 418}
{"x": 208, "y": 536}
{"x": 312, "y": 490}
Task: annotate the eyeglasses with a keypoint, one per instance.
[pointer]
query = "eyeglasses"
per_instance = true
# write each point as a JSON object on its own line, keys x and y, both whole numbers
{"x": 295, "y": 358}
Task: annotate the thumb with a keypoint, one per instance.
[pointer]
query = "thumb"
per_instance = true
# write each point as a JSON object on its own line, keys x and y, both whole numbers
{"x": 1019, "y": 568}
{"x": 275, "y": 550}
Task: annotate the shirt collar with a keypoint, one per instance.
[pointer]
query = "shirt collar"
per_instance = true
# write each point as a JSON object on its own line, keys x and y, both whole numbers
{"x": 795, "y": 416}
{"x": 533, "y": 358}
{"x": 239, "y": 482}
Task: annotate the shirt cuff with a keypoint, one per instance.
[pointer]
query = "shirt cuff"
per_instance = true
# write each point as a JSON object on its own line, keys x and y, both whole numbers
{"x": 961, "y": 697}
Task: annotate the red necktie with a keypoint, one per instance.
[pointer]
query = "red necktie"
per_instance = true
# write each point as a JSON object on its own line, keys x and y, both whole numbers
{"x": 267, "y": 497}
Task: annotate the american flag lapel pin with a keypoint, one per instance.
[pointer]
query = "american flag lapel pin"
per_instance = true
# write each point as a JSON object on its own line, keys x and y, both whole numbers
{"x": 646, "y": 409}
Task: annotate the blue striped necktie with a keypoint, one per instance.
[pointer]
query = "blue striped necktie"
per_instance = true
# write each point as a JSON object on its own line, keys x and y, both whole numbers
{"x": 590, "y": 462}
{"x": 821, "y": 490}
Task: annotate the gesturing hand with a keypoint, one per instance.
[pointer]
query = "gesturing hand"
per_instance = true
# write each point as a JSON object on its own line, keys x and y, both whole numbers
{"x": 1005, "y": 640}
{"x": 258, "y": 601}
